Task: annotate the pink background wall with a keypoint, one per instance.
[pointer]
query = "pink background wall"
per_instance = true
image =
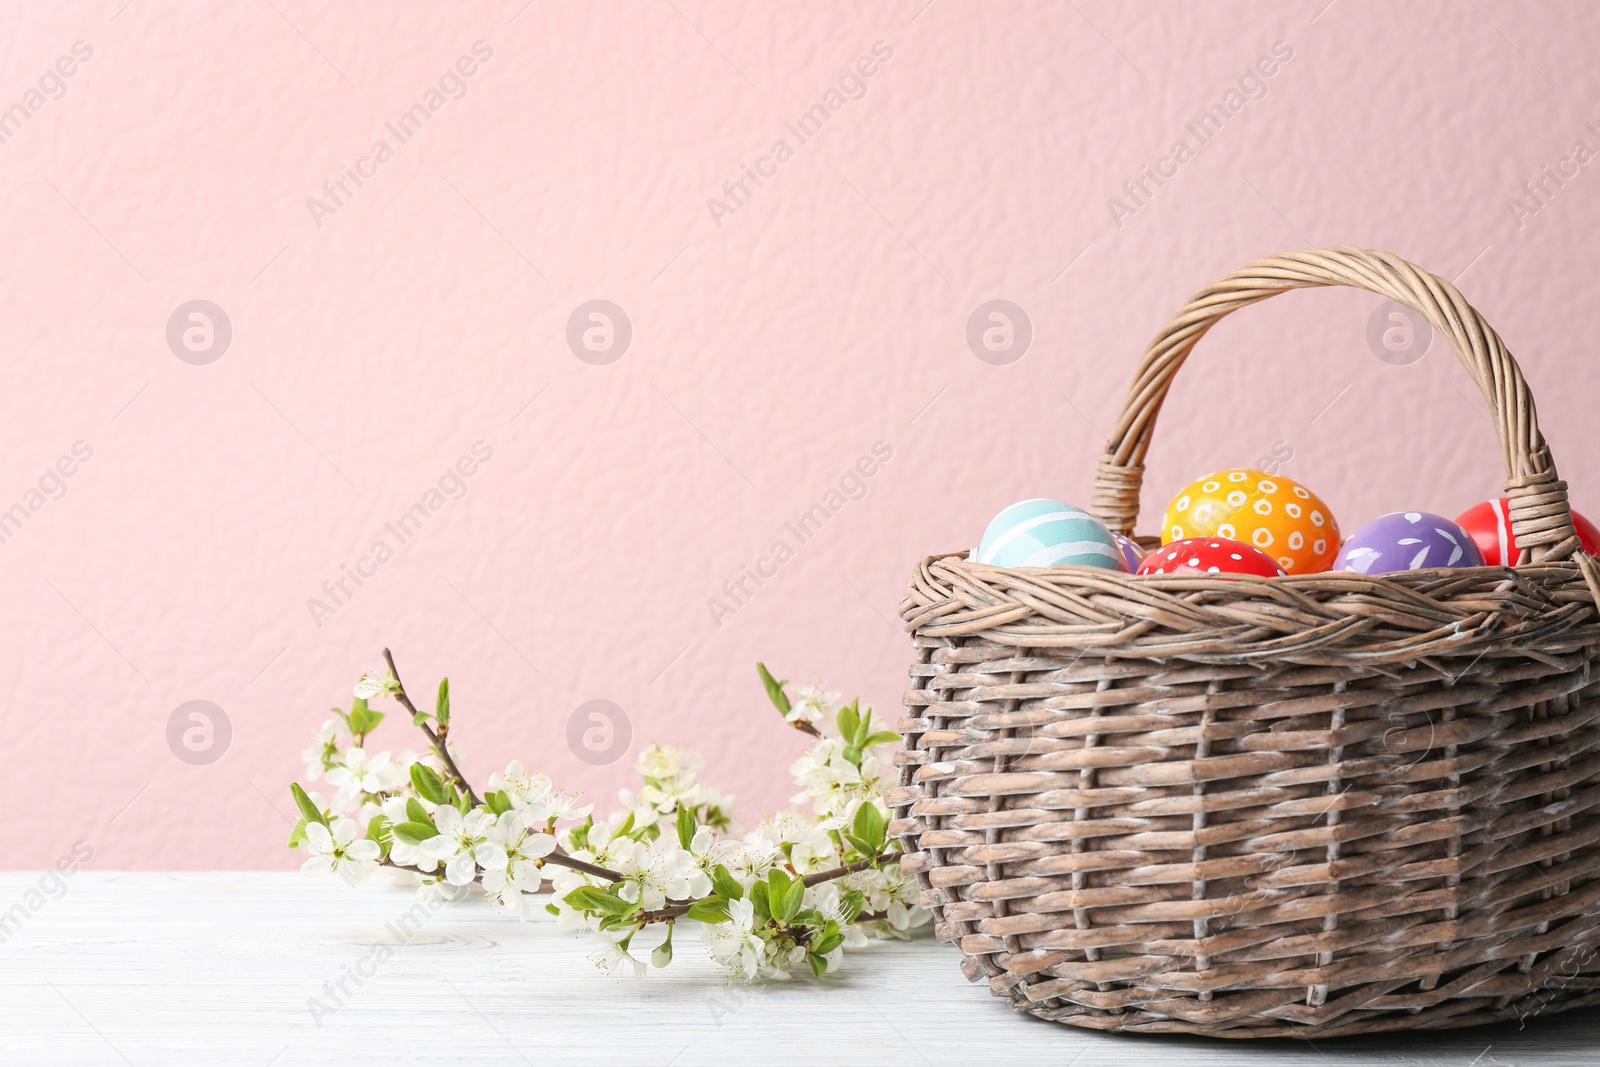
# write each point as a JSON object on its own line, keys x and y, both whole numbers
{"x": 769, "y": 352}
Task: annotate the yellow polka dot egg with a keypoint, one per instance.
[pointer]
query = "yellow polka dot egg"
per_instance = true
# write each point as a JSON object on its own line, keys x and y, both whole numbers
{"x": 1278, "y": 515}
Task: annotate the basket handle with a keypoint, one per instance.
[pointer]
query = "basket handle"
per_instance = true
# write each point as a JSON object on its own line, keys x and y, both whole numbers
{"x": 1541, "y": 519}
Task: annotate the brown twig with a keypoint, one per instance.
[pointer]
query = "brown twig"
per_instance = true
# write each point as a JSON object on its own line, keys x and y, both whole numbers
{"x": 434, "y": 739}
{"x": 678, "y": 911}
{"x": 559, "y": 857}
{"x": 562, "y": 860}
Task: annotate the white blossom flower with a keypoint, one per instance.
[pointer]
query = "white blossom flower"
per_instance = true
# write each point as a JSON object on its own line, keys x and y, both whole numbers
{"x": 831, "y": 782}
{"x": 376, "y": 682}
{"x": 462, "y": 844}
{"x": 522, "y": 786}
{"x": 356, "y": 772}
{"x": 664, "y": 762}
{"x": 339, "y": 850}
{"x": 812, "y": 704}
{"x": 658, "y": 871}
{"x": 891, "y": 900}
{"x": 612, "y": 955}
{"x": 734, "y": 944}
{"x": 744, "y": 860}
{"x": 558, "y": 804}
{"x": 505, "y": 883}
{"x": 322, "y": 745}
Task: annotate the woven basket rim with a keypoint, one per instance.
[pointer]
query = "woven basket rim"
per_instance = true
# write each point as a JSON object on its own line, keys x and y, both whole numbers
{"x": 1323, "y": 618}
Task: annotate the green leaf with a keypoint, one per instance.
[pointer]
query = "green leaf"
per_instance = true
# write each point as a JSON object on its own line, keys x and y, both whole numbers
{"x": 381, "y": 830}
{"x": 870, "y": 826}
{"x": 415, "y": 812}
{"x": 414, "y": 833}
{"x": 852, "y": 902}
{"x": 584, "y": 897}
{"x": 882, "y": 737}
{"x": 775, "y": 693}
{"x": 419, "y": 718}
{"x": 758, "y": 901}
{"x": 626, "y": 911}
{"x": 593, "y": 899}
{"x": 298, "y": 834}
{"x": 865, "y": 850}
{"x": 580, "y": 834}
{"x": 442, "y": 705}
{"x": 712, "y": 909}
{"x": 829, "y": 939}
{"x": 849, "y": 721}
{"x": 303, "y": 802}
{"x": 428, "y": 784}
{"x": 625, "y": 828}
{"x": 793, "y": 897}
{"x": 363, "y": 720}
{"x": 819, "y": 966}
{"x": 685, "y": 826}
{"x": 726, "y": 885}
{"x": 497, "y": 802}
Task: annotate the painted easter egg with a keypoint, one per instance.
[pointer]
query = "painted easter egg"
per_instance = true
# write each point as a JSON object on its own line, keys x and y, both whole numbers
{"x": 1132, "y": 554}
{"x": 1275, "y": 514}
{"x": 1489, "y": 526}
{"x": 1210, "y": 555}
{"x": 1045, "y": 533}
{"x": 1407, "y": 541}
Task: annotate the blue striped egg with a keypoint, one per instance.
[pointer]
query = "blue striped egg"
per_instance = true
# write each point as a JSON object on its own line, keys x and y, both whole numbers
{"x": 1045, "y": 533}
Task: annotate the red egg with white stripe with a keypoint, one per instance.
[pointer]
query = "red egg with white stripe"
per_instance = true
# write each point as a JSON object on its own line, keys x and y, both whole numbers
{"x": 1489, "y": 526}
{"x": 1210, "y": 555}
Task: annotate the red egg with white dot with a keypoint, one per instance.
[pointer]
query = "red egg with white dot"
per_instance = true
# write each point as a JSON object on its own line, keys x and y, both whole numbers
{"x": 1210, "y": 555}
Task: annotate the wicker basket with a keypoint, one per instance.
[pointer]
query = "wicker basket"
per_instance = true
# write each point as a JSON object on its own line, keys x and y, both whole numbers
{"x": 1262, "y": 807}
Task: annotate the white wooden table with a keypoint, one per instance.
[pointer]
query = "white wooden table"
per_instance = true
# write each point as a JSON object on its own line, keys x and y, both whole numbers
{"x": 218, "y": 968}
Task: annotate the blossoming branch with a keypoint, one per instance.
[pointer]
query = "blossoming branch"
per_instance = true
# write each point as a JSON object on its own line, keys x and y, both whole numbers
{"x": 786, "y": 896}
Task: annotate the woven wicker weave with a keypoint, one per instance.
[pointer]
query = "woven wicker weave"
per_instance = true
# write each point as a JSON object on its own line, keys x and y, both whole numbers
{"x": 1258, "y": 807}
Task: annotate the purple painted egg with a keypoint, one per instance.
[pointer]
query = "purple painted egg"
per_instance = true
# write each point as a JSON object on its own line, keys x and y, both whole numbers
{"x": 1132, "y": 554}
{"x": 1407, "y": 541}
